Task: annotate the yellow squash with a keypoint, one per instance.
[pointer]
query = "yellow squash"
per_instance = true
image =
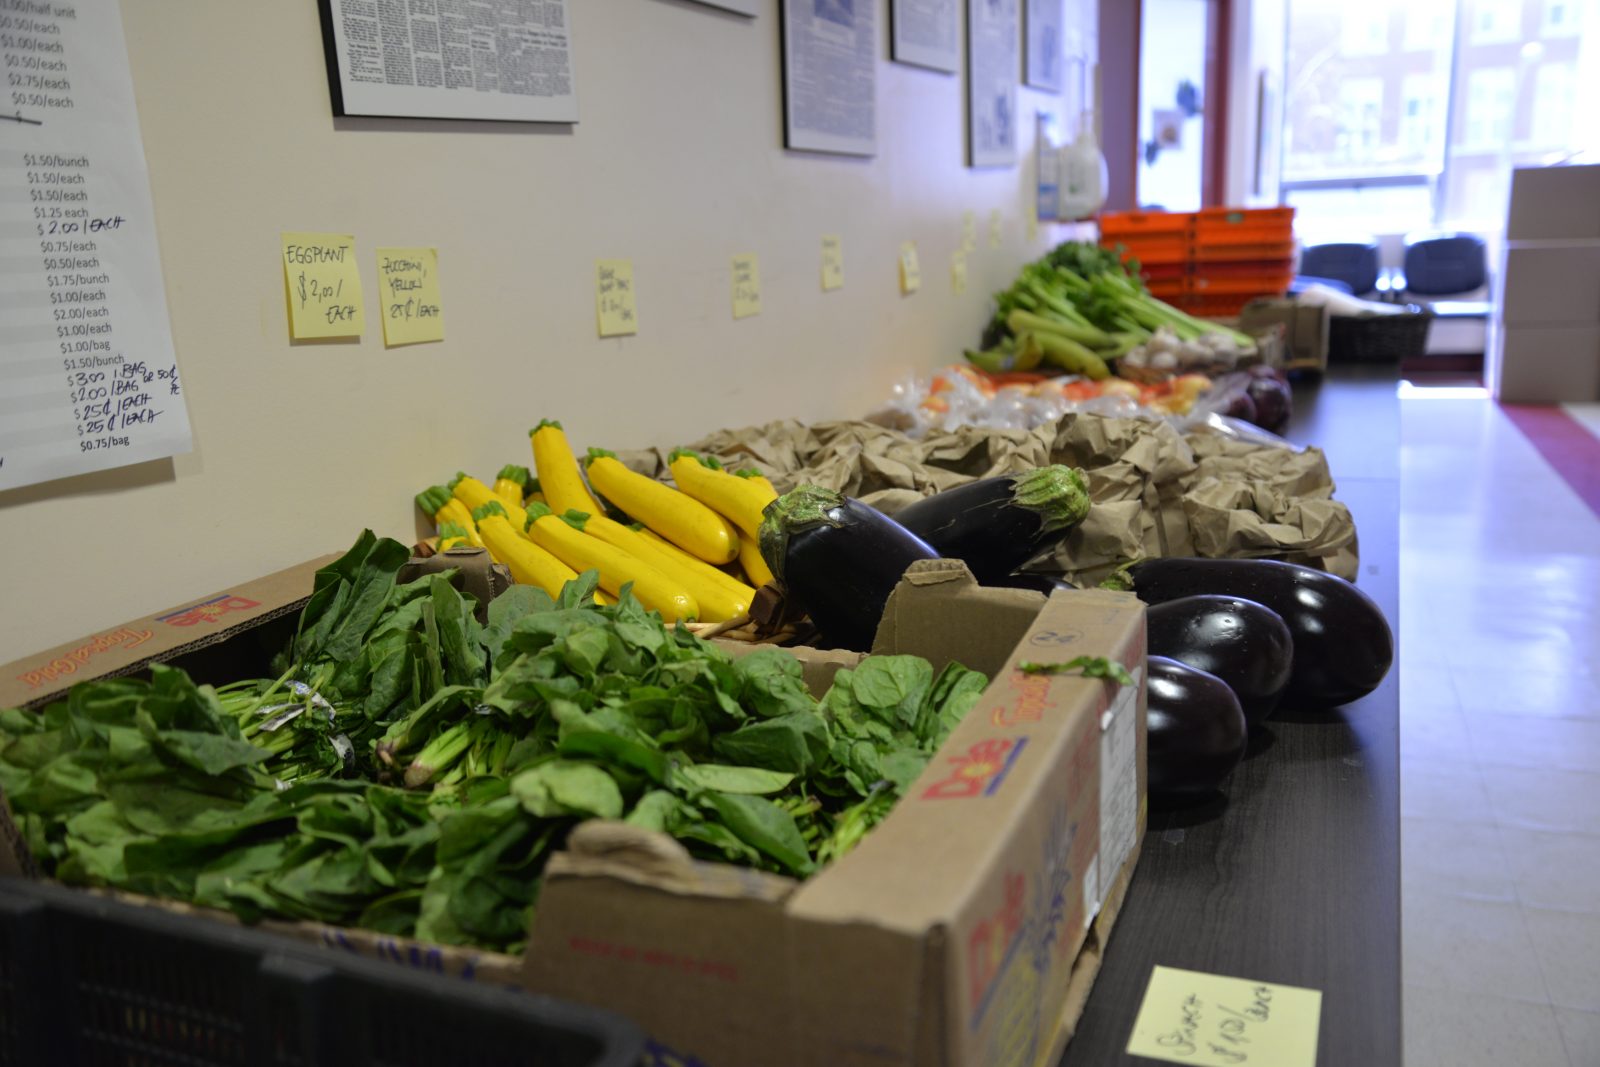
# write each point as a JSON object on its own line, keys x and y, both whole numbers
{"x": 557, "y": 468}
{"x": 529, "y": 564}
{"x": 755, "y": 566}
{"x": 585, "y": 552}
{"x": 757, "y": 477}
{"x": 717, "y": 602}
{"x": 678, "y": 517}
{"x": 734, "y": 498}
{"x": 511, "y": 484}
{"x": 452, "y": 534}
{"x": 474, "y": 494}
{"x": 437, "y": 503}
{"x": 695, "y": 563}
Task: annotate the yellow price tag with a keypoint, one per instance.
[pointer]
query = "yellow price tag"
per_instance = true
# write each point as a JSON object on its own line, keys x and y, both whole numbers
{"x": 832, "y": 261}
{"x": 746, "y": 286}
{"x": 910, "y": 269}
{"x": 614, "y": 297}
{"x": 1207, "y": 1019}
{"x": 322, "y": 286}
{"x": 408, "y": 288}
{"x": 958, "y": 271}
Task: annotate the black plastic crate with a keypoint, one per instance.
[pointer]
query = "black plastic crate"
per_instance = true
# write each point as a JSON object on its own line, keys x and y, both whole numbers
{"x": 98, "y": 982}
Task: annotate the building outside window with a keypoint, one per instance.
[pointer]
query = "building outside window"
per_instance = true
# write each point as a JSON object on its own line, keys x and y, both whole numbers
{"x": 1491, "y": 96}
{"x": 1495, "y": 20}
{"x": 1555, "y": 98}
{"x": 1561, "y": 18}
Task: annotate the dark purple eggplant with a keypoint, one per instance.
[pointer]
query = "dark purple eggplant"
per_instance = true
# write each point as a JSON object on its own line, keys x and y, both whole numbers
{"x": 997, "y": 524}
{"x": 1197, "y": 729}
{"x": 1343, "y": 646}
{"x": 838, "y": 559}
{"x": 1245, "y": 644}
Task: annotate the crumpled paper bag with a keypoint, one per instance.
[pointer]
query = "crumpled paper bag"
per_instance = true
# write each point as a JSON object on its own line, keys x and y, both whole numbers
{"x": 1156, "y": 492}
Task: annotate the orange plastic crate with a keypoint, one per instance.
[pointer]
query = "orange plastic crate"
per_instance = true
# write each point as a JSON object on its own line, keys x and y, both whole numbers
{"x": 1163, "y": 237}
{"x": 1244, "y": 233}
{"x": 1255, "y": 277}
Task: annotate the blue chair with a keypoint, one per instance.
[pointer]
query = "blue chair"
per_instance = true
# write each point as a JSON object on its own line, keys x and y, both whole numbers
{"x": 1353, "y": 263}
{"x": 1453, "y": 264}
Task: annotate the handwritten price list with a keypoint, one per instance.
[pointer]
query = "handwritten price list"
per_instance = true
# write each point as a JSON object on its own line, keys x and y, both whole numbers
{"x": 86, "y": 359}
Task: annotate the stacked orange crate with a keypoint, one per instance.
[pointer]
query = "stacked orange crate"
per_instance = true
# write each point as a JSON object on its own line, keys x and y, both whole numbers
{"x": 1161, "y": 241}
{"x": 1239, "y": 254}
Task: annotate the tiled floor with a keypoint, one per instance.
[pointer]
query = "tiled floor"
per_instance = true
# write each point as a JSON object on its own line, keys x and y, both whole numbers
{"x": 1499, "y": 747}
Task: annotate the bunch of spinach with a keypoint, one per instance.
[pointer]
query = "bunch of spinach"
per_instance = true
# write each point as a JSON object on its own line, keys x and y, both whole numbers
{"x": 410, "y": 770}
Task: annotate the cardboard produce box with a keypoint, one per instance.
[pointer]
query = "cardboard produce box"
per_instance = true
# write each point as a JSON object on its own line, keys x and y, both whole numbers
{"x": 966, "y": 929}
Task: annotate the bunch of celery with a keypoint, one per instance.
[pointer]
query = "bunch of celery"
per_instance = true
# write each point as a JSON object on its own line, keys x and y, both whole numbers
{"x": 1078, "y": 308}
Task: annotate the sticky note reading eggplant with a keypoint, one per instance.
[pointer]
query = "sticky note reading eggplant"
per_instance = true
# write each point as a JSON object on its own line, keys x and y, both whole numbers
{"x": 958, "y": 270}
{"x": 746, "y": 286}
{"x": 994, "y": 228}
{"x": 323, "y": 286}
{"x": 910, "y": 269}
{"x": 832, "y": 261}
{"x": 408, "y": 286}
{"x": 614, "y": 297}
{"x": 969, "y": 230}
{"x": 1192, "y": 1017}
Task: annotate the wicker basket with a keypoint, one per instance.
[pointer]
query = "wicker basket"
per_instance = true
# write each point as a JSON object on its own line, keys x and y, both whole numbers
{"x": 1379, "y": 338}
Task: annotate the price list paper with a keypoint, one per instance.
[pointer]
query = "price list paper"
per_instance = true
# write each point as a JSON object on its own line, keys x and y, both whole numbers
{"x": 88, "y": 379}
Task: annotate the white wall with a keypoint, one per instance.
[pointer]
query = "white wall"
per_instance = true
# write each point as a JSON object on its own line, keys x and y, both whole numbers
{"x": 677, "y": 163}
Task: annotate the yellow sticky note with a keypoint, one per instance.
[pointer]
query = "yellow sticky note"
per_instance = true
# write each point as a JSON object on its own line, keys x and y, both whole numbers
{"x": 746, "y": 286}
{"x": 614, "y": 297}
{"x": 969, "y": 230}
{"x": 323, "y": 286}
{"x": 958, "y": 270}
{"x": 408, "y": 286}
{"x": 1213, "y": 1021}
{"x": 832, "y": 261}
{"x": 1033, "y": 226}
{"x": 910, "y": 269}
{"x": 994, "y": 228}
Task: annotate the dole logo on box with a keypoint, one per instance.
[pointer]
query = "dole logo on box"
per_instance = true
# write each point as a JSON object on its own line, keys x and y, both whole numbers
{"x": 979, "y": 771}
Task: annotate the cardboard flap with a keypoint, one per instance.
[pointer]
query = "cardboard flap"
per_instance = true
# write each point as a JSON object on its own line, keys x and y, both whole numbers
{"x": 602, "y": 848}
{"x": 939, "y": 609}
{"x": 477, "y": 573}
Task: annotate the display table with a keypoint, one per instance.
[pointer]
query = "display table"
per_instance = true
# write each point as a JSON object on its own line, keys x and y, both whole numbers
{"x": 1296, "y": 878}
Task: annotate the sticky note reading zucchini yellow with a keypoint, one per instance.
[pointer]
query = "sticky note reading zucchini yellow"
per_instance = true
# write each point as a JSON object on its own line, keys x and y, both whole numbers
{"x": 614, "y": 297}
{"x": 323, "y": 286}
{"x": 746, "y": 286}
{"x": 832, "y": 262}
{"x": 910, "y": 269}
{"x": 958, "y": 270}
{"x": 408, "y": 292}
{"x": 994, "y": 228}
{"x": 969, "y": 230}
{"x": 1207, "y": 1019}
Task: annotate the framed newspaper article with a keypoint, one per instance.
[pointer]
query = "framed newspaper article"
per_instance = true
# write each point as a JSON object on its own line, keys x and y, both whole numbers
{"x": 926, "y": 33}
{"x": 992, "y": 43}
{"x": 451, "y": 59}
{"x": 830, "y": 75}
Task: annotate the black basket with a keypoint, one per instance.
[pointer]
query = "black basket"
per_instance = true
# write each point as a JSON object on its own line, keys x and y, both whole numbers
{"x": 89, "y": 981}
{"x": 1379, "y": 338}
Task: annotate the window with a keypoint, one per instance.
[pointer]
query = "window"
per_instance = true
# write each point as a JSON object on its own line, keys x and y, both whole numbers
{"x": 1491, "y": 96}
{"x": 1555, "y": 98}
{"x": 1418, "y": 102}
{"x": 1427, "y": 23}
{"x": 1364, "y": 30}
{"x": 1496, "y": 20}
{"x": 1561, "y": 18}
{"x": 1360, "y": 118}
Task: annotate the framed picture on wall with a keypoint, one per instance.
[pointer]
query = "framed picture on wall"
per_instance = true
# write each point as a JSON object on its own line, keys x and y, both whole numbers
{"x": 442, "y": 62}
{"x": 739, "y": 7}
{"x": 925, "y": 33}
{"x": 830, "y": 75}
{"x": 992, "y": 42}
{"x": 1045, "y": 53}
